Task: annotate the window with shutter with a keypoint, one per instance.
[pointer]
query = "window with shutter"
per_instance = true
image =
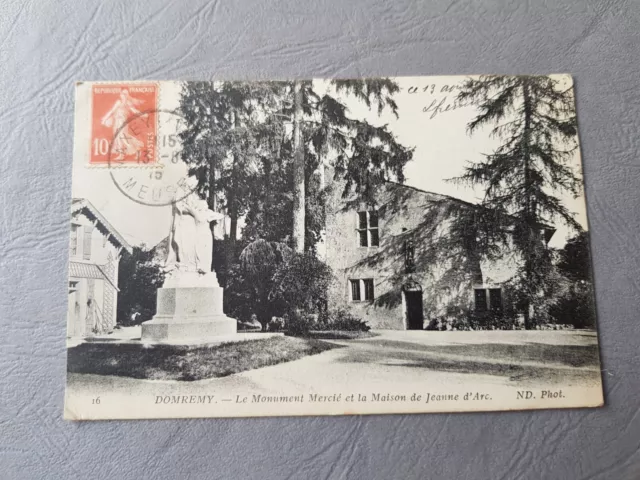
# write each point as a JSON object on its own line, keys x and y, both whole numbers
{"x": 86, "y": 246}
{"x": 73, "y": 241}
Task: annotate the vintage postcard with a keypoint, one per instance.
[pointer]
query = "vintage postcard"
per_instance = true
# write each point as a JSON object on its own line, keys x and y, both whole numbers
{"x": 328, "y": 247}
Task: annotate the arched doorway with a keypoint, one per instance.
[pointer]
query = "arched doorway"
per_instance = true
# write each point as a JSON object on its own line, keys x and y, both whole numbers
{"x": 412, "y": 300}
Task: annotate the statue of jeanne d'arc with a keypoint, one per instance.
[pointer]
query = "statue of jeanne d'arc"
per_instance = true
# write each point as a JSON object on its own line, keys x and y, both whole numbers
{"x": 190, "y": 240}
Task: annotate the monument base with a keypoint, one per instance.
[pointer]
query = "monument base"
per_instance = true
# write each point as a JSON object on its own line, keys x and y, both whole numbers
{"x": 187, "y": 314}
{"x": 203, "y": 329}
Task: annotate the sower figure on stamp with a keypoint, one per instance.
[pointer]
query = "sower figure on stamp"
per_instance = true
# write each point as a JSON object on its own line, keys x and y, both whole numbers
{"x": 190, "y": 240}
{"x": 124, "y": 143}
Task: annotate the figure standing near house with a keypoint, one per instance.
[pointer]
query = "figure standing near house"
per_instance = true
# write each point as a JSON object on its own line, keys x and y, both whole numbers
{"x": 124, "y": 142}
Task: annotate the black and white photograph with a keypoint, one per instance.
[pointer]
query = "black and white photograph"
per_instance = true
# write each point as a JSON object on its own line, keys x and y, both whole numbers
{"x": 328, "y": 247}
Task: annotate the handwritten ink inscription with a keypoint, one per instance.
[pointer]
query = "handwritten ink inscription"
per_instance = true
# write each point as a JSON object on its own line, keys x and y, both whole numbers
{"x": 439, "y": 99}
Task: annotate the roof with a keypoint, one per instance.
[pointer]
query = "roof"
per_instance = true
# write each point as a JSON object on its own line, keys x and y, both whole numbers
{"x": 549, "y": 229}
{"x": 89, "y": 270}
{"x": 83, "y": 205}
{"x": 442, "y": 195}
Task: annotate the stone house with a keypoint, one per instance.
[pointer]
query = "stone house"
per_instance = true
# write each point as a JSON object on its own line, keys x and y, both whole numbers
{"x": 95, "y": 249}
{"x": 395, "y": 265}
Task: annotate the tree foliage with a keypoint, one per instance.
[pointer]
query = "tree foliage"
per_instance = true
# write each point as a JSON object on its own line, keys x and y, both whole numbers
{"x": 575, "y": 258}
{"x": 253, "y": 278}
{"x": 221, "y": 138}
{"x": 271, "y": 280}
{"x": 239, "y": 141}
{"x": 574, "y": 304}
{"x": 139, "y": 279}
{"x": 301, "y": 283}
{"x": 523, "y": 178}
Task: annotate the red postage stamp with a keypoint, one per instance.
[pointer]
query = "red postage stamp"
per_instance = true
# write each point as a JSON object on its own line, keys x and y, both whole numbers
{"x": 124, "y": 124}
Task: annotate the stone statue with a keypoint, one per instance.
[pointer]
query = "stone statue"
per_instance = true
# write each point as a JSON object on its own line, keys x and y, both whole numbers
{"x": 190, "y": 246}
{"x": 189, "y": 303}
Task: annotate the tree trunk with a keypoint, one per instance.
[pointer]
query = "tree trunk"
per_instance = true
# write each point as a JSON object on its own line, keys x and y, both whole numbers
{"x": 298, "y": 172}
{"x": 233, "y": 225}
{"x": 233, "y": 202}
{"x": 211, "y": 203}
{"x": 211, "y": 199}
{"x": 527, "y": 207}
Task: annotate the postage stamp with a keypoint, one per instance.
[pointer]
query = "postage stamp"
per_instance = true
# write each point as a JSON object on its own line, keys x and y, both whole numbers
{"x": 123, "y": 124}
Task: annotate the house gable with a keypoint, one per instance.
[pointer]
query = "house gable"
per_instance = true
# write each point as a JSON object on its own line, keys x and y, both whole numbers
{"x": 82, "y": 206}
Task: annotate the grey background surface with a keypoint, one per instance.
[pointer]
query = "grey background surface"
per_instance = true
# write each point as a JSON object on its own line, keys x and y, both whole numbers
{"x": 46, "y": 45}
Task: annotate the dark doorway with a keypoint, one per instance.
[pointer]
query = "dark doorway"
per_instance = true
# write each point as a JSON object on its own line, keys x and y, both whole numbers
{"x": 415, "y": 317}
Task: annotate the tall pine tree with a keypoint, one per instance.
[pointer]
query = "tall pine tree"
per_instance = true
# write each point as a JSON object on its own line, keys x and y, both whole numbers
{"x": 364, "y": 155}
{"x": 256, "y": 146}
{"x": 523, "y": 180}
{"x": 220, "y": 143}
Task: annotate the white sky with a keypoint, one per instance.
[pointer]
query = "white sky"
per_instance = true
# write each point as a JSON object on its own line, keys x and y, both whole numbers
{"x": 442, "y": 147}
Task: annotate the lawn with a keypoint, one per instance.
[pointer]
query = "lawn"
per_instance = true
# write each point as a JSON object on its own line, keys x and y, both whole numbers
{"x": 171, "y": 362}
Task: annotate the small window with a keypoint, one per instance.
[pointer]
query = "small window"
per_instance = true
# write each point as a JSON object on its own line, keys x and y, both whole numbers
{"x": 409, "y": 256}
{"x": 368, "y": 289}
{"x": 86, "y": 246}
{"x": 495, "y": 300}
{"x": 481, "y": 299}
{"x": 362, "y": 287}
{"x": 355, "y": 290}
{"x": 73, "y": 241}
{"x": 368, "y": 234}
{"x": 488, "y": 299}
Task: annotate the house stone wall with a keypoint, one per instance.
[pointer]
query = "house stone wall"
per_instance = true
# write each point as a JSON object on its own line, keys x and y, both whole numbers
{"x": 406, "y": 215}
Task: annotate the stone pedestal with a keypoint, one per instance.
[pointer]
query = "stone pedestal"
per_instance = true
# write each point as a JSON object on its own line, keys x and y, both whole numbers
{"x": 189, "y": 308}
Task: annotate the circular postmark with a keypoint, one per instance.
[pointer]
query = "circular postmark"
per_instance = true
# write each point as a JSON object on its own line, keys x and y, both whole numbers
{"x": 144, "y": 159}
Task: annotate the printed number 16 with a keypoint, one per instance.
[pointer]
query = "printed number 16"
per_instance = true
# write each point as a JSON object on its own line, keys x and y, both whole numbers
{"x": 95, "y": 401}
